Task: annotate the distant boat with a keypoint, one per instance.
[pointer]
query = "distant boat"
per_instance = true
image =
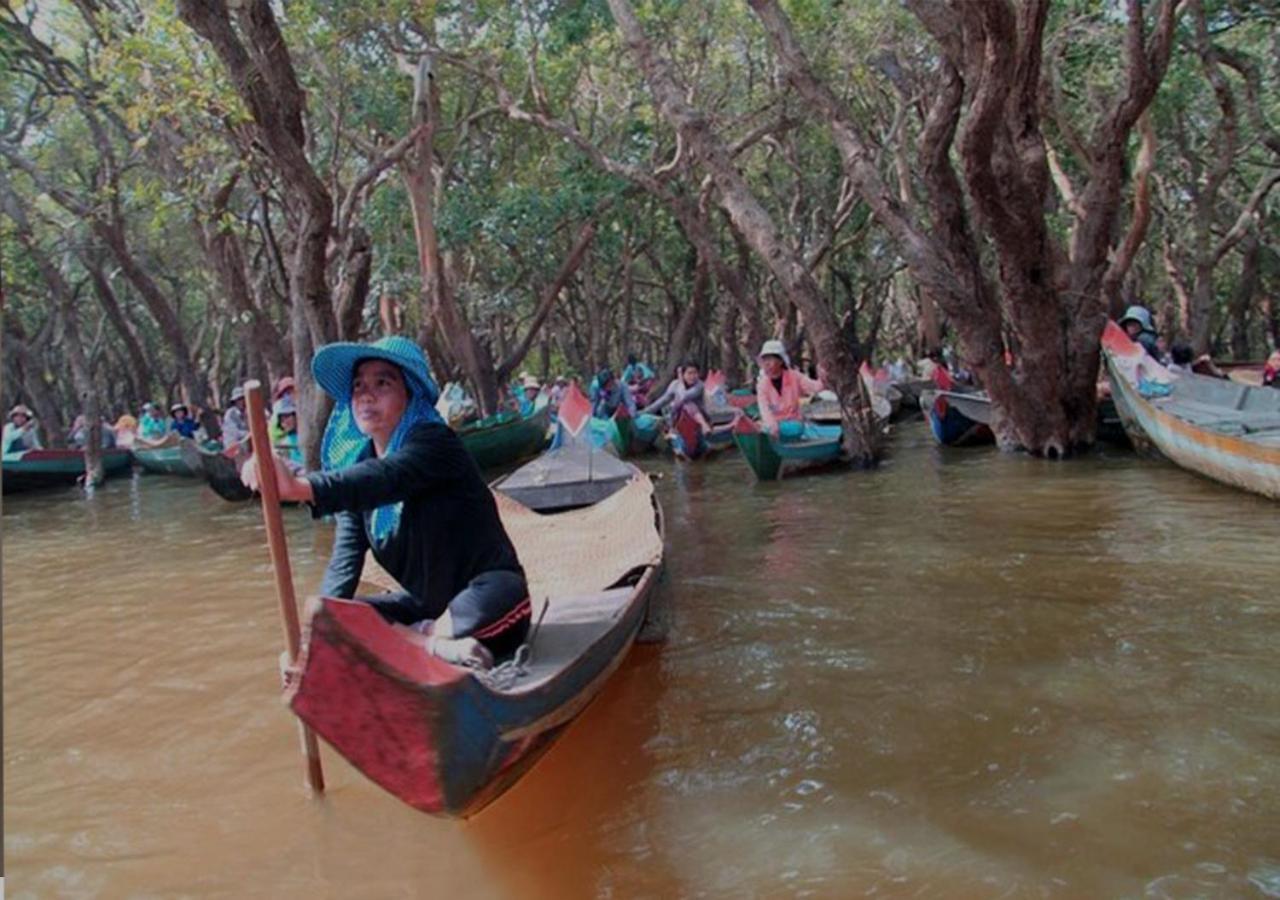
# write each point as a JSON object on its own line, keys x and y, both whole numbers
{"x": 958, "y": 416}
{"x": 575, "y": 472}
{"x": 34, "y": 469}
{"x": 447, "y": 739}
{"x": 506, "y": 437}
{"x": 768, "y": 456}
{"x": 166, "y": 456}
{"x": 223, "y": 474}
{"x": 1222, "y": 429}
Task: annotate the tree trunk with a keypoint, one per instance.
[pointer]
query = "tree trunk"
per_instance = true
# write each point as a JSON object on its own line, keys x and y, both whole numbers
{"x": 1242, "y": 299}
{"x": 759, "y": 229}
{"x": 143, "y": 377}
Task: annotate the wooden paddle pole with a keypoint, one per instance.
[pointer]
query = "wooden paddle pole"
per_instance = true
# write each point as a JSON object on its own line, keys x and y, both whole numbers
{"x": 263, "y": 454}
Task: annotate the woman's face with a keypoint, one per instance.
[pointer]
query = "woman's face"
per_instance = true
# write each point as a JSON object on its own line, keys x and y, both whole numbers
{"x": 1133, "y": 328}
{"x": 772, "y": 365}
{"x": 289, "y": 422}
{"x": 689, "y": 374}
{"x": 19, "y": 419}
{"x": 378, "y": 397}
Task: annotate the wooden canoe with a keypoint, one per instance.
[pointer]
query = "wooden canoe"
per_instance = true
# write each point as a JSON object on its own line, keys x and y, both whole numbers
{"x": 166, "y": 457}
{"x": 34, "y": 469}
{"x": 958, "y": 417}
{"x": 506, "y": 438}
{"x": 1221, "y": 429}
{"x": 222, "y": 471}
{"x": 767, "y": 456}
{"x": 448, "y": 740}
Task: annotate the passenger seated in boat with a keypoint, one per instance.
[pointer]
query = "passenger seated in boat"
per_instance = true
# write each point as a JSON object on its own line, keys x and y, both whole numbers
{"x": 1182, "y": 362}
{"x": 153, "y": 426}
{"x": 401, "y": 483}
{"x": 235, "y": 428}
{"x": 530, "y": 390}
{"x": 284, "y": 387}
{"x": 608, "y": 393}
{"x": 126, "y": 429}
{"x": 1138, "y": 324}
{"x": 1271, "y": 371}
{"x": 778, "y": 392}
{"x": 284, "y": 419}
{"x": 182, "y": 422}
{"x": 20, "y": 432}
{"x": 78, "y": 437}
{"x": 686, "y": 391}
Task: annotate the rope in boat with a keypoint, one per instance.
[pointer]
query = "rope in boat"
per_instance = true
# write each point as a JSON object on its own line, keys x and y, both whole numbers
{"x": 505, "y": 674}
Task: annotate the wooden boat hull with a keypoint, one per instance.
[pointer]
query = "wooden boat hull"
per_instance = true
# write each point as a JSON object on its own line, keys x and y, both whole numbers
{"x": 168, "y": 460}
{"x": 1249, "y": 463}
{"x": 437, "y": 736}
{"x": 36, "y": 469}
{"x": 768, "y": 457}
{"x": 509, "y": 441}
{"x": 223, "y": 474}
{"x": 950, "y": 425}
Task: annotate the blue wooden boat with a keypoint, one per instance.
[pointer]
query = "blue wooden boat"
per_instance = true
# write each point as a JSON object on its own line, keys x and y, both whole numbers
{"x": 34, "y": 469}
{"x": 958, "y": 416}
{"x": 446, "y": 739}
{"x": 767, "y": 455}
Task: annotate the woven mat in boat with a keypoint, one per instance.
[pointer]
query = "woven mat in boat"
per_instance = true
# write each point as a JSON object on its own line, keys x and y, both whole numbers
{"x": 581, "y": 551}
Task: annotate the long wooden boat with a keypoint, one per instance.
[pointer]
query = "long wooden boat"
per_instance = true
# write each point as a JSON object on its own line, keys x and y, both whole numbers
{"x": 693, "y": 444}
{"x": 767, "y": 456}
{"x": 222, "y": 471}
{"x": 34, "y": 469}
{"x": 166, "y": 457}
{"x": 958, "y": 416}
{"x": 506, "y": 438}
{"x": 1221, "y": 429}
{"x": 446, "y": 739}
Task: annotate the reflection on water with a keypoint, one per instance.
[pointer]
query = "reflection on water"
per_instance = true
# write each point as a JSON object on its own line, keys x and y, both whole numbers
{"x": 966, "y": 674}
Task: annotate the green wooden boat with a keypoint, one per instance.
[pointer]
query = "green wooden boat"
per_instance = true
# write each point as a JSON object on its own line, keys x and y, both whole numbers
{"x": 35, "y": 469}
{"x": 506, "y": 437}
{"x": 167, "y": 457}
{"x": 766, "y": 454}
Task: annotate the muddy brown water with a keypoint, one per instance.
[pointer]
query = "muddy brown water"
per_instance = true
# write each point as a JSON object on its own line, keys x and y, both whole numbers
{"x": 964, "y": 675}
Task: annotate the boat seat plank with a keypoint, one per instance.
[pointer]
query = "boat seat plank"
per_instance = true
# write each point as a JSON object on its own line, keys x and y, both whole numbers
{"x": 570, "y": 625}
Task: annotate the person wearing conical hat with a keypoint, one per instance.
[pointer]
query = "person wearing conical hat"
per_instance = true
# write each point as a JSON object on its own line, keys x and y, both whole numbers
{"x": 20, "y": 432}
{"x": 400, "y": 483}
{"x": 779, "y": 390}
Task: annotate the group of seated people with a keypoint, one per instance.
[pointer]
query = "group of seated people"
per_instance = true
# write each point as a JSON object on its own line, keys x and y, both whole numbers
{"x": 1139, "y": 325}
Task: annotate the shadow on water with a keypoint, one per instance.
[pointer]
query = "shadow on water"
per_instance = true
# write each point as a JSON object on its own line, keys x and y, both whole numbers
{"x": 964, "y": 674}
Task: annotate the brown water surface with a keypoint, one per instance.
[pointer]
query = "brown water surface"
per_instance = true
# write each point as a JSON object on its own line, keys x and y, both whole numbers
{"x": 965, "y": 675}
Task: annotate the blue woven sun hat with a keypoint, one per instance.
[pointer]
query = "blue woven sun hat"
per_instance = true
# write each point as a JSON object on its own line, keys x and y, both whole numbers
{"x": 334, "y": 366}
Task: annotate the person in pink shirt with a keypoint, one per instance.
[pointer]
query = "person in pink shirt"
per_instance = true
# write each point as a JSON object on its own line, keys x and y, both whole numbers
{"x": 779, "y": 390}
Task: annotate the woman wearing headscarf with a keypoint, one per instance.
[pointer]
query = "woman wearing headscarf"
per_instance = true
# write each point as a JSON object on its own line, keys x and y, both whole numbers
{"x": 400, "y": 483}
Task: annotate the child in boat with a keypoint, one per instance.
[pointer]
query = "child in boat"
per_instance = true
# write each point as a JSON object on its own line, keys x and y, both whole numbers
{"x": 608, "y": 393}
{"x": 20, "y": 432}
{"x": 182, "y": 422}
{"x": 1138, "y": 324}
{"x": 778, "y": 392}
{"x": 400, "y": 483}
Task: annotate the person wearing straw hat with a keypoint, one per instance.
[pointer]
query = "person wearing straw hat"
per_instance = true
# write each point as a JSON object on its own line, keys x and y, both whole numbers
{"x": 530, "y": 388}
{"x": 778, "y": 392}
{"x": 400, "y": 483}
{"x": 235, "y": 428}
{"x": 20, "y": 432}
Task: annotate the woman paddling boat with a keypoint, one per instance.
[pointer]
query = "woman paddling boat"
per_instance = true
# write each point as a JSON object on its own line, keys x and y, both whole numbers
{"x": 401, "y": 484}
